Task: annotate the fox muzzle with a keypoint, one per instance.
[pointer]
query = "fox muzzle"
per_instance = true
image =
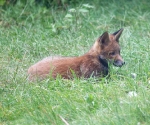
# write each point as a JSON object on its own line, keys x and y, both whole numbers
{"x": 119, "y": 63}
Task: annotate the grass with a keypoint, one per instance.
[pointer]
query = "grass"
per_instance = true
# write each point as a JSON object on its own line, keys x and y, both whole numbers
{"x": 29, "y": 33}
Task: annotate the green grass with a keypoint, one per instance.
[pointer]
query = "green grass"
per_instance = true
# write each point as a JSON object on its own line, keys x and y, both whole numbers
{"x": 29, "y": 33}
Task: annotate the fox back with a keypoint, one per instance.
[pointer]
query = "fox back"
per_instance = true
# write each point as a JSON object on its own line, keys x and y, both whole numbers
{"x": 92, "y": 64}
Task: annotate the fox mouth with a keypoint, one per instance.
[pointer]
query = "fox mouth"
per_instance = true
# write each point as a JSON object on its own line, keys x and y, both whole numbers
{"x": 118, "y": 63}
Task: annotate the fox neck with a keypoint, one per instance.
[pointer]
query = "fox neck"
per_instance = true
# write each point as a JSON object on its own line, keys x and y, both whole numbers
{"x": 104, "y": 62}
{"x": 95, "y": 50}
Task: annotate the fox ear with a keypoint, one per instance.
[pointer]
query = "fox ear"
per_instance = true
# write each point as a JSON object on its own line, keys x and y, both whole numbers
{"x": 104, "y": 38}
{"x": 117, "y": 34}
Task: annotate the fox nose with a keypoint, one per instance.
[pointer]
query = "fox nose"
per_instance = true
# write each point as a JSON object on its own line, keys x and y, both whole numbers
{"x": 119, "y": 63}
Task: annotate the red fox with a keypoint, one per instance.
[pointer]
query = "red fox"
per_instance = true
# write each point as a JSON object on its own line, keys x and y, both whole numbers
{"x": 93, "y": 63}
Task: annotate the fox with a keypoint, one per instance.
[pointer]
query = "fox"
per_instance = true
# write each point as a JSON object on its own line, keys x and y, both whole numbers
{"x": 94, "y": 63}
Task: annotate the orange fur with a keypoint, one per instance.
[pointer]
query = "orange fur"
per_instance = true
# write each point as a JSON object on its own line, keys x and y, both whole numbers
{"x": 94, "y": 63}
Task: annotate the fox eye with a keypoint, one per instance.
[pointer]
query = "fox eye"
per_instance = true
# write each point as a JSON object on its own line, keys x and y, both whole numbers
{"x": 112, "y": 53}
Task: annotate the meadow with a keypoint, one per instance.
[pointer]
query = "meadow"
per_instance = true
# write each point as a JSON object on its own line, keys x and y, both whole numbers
{"x": 30, "y": 32}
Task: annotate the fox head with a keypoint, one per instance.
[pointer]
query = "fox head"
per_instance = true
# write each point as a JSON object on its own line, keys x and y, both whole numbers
{"x": 107, "y": 48}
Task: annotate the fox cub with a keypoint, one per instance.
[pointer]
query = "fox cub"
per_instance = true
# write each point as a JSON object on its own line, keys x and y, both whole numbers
{"x": 93, "y": 63}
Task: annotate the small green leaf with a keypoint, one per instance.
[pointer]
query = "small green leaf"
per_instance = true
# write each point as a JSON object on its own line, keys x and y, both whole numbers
{"x": 88, "y": 6}
{"x": 72, "y": 10}
{"x": 2, "y": 2}
{"x": 68, "y": 16}
{"x": 83, "y": 11}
